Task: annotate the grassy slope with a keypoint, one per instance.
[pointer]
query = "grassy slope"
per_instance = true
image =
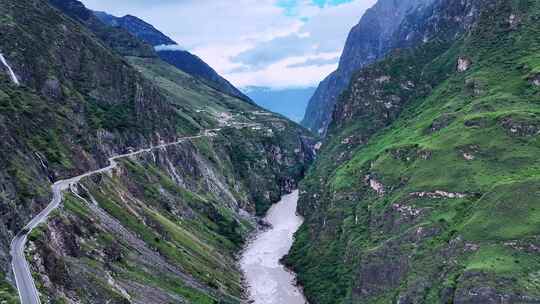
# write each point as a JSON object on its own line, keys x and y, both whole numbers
{"x": 189, "y": 223}
{"x": 244, "y": 146}
{"x": 491, "y": 112}
{"x": 102, "y": 105}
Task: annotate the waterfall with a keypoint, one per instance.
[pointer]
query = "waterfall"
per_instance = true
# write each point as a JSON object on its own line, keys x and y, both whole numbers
{"x": 10, "y": 70}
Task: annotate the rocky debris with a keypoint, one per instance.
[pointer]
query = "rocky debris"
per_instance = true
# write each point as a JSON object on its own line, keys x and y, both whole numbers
{"x": 383, "y": 79}
{"x": 535, "y": 80}
{"x": 514, "y": 21}
{"x": 478, "y": 287}
{"x": 150, "y": 294}
{"x": 380, "y": 270}
{"x": 114, "y": 284}
{"x": 353, "y": 140}
{"x": 415, "y": 292}
{"x": 441, "y": 122}
{"x": 346, "y": 140}
{"x": 411, "y": 153}
{"x": 224, "y": 118}
{"x": 468, "y": 152}
{"x": 438, "y": 194}
{"x": 468, "y": 156}
{"x": 408, "y": 85}
{"x": 532, "y": 247}
{"x": 406, "y": 210}
{"x": 479, "y": 122}
{"x": 52, "y": 89}
{"x": 471, "y": 247}
{"x": 397, "y": 217}
{"x": 463, "y": 64}
{"x": 374, "y": 184}
{"x": 421, "y": 233}
{"x": 521, "y": 126}
{"x": 475, "y": 87}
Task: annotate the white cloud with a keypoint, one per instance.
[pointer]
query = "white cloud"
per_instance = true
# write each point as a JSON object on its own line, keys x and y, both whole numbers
{"x": 169, "y": 47}
{"x": 279, "y": 75}
{"x": 250, "y": 42}
{"x": 315, "y": 61}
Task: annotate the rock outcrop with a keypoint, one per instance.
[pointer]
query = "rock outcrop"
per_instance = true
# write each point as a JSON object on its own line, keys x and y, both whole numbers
{"x": 371, "y": 39}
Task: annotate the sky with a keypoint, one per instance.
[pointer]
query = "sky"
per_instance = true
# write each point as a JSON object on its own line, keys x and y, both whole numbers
{"x": 270, "y": 43}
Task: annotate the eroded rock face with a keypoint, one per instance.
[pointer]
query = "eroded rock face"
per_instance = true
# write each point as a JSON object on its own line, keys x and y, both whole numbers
{"x": 374, "y": 184}
{"x": 521, "y": 127}
{"x": 514, "y": 21}
{"x": 487, "y": 290}
{"x": 371, "y": 39}
{"x": 463, "y": 64}
{"x": 52, "y": 89}
{"x": 535, "y": 80}
{"x": 383, "y": 269}
{"x": 441, "y": 122}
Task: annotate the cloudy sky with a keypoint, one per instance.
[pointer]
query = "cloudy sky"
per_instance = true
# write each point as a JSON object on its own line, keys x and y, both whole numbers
{"x": 274, "y": 43}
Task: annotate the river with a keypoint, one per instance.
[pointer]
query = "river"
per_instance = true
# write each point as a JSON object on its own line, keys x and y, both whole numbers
{"x": 268, "y": 281}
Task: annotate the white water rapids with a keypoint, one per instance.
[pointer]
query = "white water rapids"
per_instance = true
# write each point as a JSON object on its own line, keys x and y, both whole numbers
{"x": 269, "y": 282}
{"x": 10, "y": 70}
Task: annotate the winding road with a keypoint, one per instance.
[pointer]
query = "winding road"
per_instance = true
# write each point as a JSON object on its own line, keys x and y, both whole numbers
{"x": 26, "y": 286}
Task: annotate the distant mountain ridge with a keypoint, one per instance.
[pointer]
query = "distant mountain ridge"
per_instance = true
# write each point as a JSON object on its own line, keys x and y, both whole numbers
{"x": 371, "y": 39}
{"x": 137, "y": 27}
{"x": 181, "y": 59}
{"x": 291, "y": 102}
{"x": 117, "y": 38}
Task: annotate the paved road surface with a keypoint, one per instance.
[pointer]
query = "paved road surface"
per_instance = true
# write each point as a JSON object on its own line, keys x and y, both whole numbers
{"x": 28, "y": 292}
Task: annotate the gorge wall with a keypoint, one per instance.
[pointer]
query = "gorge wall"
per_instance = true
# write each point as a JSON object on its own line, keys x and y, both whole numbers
{"x": 89, "y": 91}
{"x": 425, "y": 190}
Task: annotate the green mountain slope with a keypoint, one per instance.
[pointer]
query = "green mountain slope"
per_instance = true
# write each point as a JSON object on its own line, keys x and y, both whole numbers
{"x": 165, "y": 226}
{"x": 427, "y": 189}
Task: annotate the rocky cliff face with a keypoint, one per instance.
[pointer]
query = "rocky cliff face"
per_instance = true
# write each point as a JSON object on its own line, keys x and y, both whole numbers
{"x": 81, "y": 102}
{"x": 409, "y": 200}
{"x": 120, "y": 40}
{"x": 137, "y": 27}
{"x": 175, "y": 56}
{"x": 372, "y": 38}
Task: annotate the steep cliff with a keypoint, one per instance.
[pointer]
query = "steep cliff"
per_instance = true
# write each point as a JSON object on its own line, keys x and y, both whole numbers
{"x": 371, "y": 39}
{"x": 182, "y": 210}
{"x": 426, "y": 189}
{"x": 170, "y": 52}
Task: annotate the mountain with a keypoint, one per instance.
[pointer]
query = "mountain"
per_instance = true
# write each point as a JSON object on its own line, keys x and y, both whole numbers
{"x": 165, "y": 224}
{"x": 118, "y": 39}
{"x": 371, "y": 39}
{"x": 426, "y": 188}
{"x": 170, "y": 52}
{"x": 137, "y": 27}
{"x": 291, "y": 102}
